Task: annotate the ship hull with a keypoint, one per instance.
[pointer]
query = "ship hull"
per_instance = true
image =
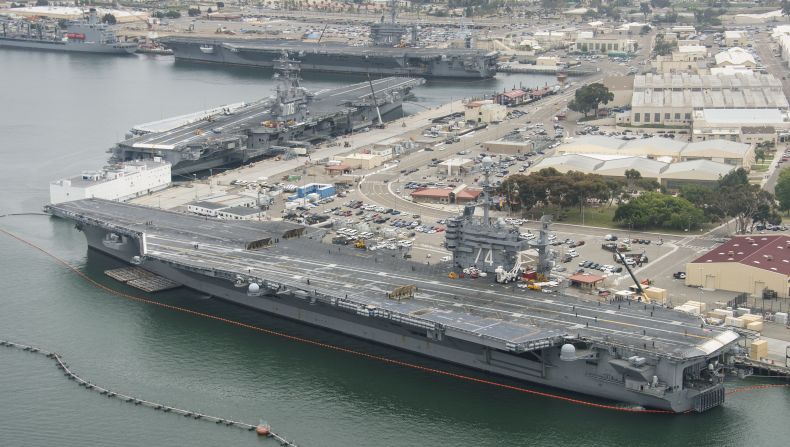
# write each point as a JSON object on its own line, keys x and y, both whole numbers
{"x": 314, "y": 58}
{"x": 544, "y": 368}
{"x": 27, "y": 44}
{"x": 361, "y": 118}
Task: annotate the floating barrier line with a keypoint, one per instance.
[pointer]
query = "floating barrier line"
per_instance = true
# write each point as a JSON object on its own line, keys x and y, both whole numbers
{"x": 386, "y": 360}
{"x": 744, "y": 389}
{"x": 61, "y": 364}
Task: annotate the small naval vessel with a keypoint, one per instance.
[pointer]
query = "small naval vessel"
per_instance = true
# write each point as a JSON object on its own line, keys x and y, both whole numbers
{"x": 633, "y": 352}
{"x": 293, "y": 117}
{"x": 85, "y": 36}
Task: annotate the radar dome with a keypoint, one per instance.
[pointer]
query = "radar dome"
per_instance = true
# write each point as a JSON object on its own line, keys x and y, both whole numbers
{"x": 487, "y": 161}
{"x": 253, "y": 288}
{"x": 568, "y": 352}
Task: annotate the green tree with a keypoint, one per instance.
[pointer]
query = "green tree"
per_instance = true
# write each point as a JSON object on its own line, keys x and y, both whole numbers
{"x": 740, "y": 200}
{"x": 645, "y": 9}
{"x": 759, "y": 154}
{"x": 193, "y": 11}
{"x": 785, "y": 8}
{"x": 782, "y": 190}
{"x": 662, "y": 47}
{"x": 42, "y": 3}
{"x": 656, "y": 210}
{"x": 109, "y": 19}
{"x": 590, "y": 97}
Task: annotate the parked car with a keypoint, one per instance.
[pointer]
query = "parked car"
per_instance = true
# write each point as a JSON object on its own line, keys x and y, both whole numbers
{"x": 679, "y": 275}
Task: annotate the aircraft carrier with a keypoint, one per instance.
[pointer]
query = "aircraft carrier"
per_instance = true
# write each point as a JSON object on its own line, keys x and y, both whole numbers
{"x": 292, "y": 117}
{"x": 339, "y": 58}
{"x": 86, "y": 36}
{"x": 387, "y": 55}
{"x": 636, "y": 353}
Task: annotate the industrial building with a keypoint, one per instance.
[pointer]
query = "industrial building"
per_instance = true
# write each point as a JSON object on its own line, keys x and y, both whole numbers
{"x": 362, "y": 161}
{"x": 735, "y": 56}
{"x": 122, "y": 181}
{"x": 588, "y": 42}
{"x": 663, "y": 149}
{"x": 740, "y": 125}
{"x": 672, "y": 99}
{"x": 484, "y": 112}
{"x": 735, "y": 38}
{"x": 672, "y": 176}
{"x": 686, "y": 58}
{"x": 747, "y": 264}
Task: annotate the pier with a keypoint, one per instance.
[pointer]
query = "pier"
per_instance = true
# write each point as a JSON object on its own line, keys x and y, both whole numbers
{"x": 763, "y": 368}
{"x": 541, "y": 69}
{"x": 141, "y": 279}
{"x": 62, "y": 365}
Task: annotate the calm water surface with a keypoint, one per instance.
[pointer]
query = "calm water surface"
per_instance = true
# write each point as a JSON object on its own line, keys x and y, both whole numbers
{"x": 58, "y": 115}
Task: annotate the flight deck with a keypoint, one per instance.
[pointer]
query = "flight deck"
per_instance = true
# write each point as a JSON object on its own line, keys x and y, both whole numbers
{"x": 289, "y": 256}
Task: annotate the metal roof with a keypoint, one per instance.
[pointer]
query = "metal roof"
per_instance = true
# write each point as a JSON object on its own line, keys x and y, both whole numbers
{"x": 769, "y": 252}
{"x": 696, "y": 170}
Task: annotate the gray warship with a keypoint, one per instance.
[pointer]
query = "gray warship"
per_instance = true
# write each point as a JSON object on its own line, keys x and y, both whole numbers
{"x": 634, "y": 353}
{"x": 387, "y": 56}
{"x": 292, "y": 117}
{"x": 85, "y": 36}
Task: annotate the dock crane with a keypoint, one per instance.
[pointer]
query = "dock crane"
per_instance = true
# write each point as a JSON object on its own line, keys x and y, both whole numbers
{"x": 630, "y": 272}
{"x": 380, "y": 124}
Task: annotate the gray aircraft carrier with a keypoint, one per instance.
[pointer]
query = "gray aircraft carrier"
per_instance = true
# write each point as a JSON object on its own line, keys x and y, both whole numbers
{"x": 631, "y": 352}
{"x": 387, "y": 55}
{"x": 293, "y": 117}
{"x": 339, "y": 58}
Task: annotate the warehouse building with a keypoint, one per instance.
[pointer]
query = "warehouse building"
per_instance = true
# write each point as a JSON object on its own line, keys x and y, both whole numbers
{"x": 700, "y": 172}
{"x": 587, "y": 42}
{"x": 687, "y": 58}
{"x": 735, "y": 38}
{"x": 672, "y": 99}
{"x": 747, "y": 264}
{"x": 735, "y": 56}
{"x": 672, "y": 176}
{"x": 484, "y": 112}
{"x": 360, "y": 160}
{"x": 740, "y": 125}
{"x": 662, "y": 149}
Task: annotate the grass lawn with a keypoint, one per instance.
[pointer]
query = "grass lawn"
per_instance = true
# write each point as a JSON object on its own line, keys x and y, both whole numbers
{"x": 596, "y": 217}
{"x": 760, "y": 167}
{"x": 602, "y": 217}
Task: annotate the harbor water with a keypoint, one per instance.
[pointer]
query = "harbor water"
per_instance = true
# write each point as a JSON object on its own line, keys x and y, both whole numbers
{"x": 58, "y": 115}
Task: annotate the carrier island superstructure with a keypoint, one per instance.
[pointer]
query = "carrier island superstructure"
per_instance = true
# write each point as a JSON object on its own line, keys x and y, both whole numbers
{"x": 292, "y": 117}
{"x": 632, "y": 352}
